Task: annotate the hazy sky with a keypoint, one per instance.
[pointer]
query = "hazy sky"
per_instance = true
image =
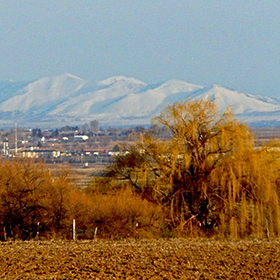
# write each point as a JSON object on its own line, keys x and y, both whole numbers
{"x": 231, "y": 43}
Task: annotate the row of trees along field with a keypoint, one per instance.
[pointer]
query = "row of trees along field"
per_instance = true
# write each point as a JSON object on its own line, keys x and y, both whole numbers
{"x": 35, "y": 203}
{"x": 206, "y": 179}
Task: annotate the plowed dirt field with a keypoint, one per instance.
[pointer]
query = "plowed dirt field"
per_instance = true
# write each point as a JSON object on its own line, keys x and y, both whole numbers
{"x": 140, "y": 259}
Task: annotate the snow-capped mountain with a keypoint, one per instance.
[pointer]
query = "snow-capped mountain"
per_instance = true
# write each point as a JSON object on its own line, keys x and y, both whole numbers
{"x": 43, "y": 94}
{"x": 70, "y": 100}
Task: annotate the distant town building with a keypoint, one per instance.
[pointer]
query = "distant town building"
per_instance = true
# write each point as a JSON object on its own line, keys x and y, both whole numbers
{"x": 81, "y": 137}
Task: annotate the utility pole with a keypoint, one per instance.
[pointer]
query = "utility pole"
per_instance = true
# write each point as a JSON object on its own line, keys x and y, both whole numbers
{"x": 16, "y": 148}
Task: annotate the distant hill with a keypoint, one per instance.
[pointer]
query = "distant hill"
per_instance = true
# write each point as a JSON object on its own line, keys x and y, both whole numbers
{"x": 52, "y": 102}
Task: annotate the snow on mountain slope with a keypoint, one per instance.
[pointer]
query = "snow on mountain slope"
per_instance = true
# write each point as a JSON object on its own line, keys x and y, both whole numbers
{"x": 118, "y": 100}
{"x": 121, "y": 81}
{"x": 125, "y": 98}
{"x": 44, "y": 92}
{"x": 241, "y": 103}
{"x": 108, "y": 91}
{"x": 9, "y": 89}
{"x": 148, "y": 102}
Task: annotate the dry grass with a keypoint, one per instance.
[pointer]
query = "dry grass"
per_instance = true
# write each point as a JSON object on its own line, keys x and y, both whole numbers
{"x": 141, "y": 259}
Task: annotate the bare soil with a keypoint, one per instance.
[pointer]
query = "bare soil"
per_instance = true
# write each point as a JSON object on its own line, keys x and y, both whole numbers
{"x": 141, "y": 259}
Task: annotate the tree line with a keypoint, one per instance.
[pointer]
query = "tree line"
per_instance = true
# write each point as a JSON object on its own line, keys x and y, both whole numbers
{"x": 207, "y": 178}
{"x": 38, "y": 204}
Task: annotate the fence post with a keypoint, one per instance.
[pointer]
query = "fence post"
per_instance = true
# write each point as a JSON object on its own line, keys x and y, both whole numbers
{"x": 5, "y": 234}
{"x": 267, "y": 229}
{"x": 38, "y": 229}
{"x": 95, "y": 232}
{"x": 74, "y": 229}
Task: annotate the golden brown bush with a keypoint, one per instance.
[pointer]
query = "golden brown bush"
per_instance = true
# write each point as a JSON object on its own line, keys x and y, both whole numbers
{"x": 122, "y": 214}
{"x": 22, "y": 185}
{"x": 36, "y": 203}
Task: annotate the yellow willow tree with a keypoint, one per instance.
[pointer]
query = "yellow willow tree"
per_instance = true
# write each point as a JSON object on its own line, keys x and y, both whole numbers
{"x": 208, "y": 175}
{"x": 251, "y": 191}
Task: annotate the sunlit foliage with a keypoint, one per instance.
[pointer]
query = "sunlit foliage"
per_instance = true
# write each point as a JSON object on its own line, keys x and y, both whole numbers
{"x": 38, "y": 203}
{"x": 30, "y": 200}
{"x": 206, "y": 179}
{"x": 208, "y": 176}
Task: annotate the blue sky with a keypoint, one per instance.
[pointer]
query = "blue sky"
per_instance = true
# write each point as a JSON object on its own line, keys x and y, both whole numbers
{"x": 231, "y": 43}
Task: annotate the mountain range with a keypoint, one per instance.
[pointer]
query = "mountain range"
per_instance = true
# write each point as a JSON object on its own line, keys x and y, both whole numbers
{"x": 52, "y": 102}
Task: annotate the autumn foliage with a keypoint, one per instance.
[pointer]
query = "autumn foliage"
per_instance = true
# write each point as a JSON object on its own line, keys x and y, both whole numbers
{"x": 37, "y": 203}
{"x": 207, "y": 178}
